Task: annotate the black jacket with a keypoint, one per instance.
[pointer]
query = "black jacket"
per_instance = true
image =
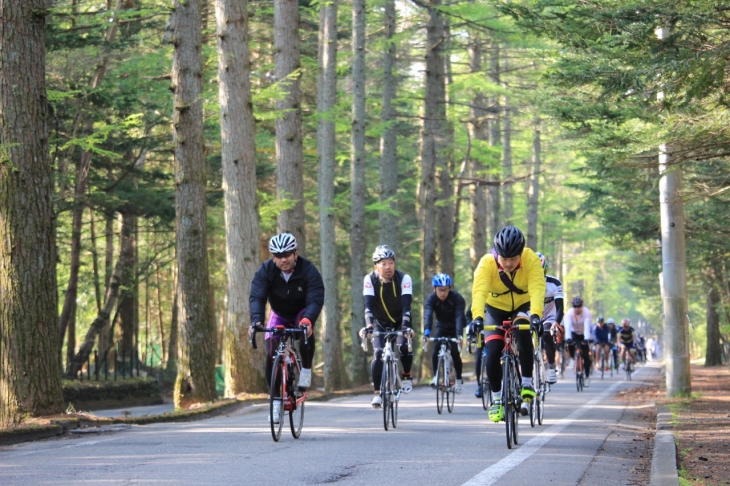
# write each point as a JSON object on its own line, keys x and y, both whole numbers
{"x": 449, "y": 312}
{"x": 304, "y": 289}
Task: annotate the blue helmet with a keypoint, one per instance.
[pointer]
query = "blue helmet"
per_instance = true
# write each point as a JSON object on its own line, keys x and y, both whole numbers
{"x": 441, "y": 280}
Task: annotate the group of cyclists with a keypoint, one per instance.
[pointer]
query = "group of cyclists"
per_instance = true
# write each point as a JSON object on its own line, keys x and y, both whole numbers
{"x": 510, "y": 284}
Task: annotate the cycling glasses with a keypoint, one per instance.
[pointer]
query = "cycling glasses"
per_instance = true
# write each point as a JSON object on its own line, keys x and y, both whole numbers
{"x": 286, "y": 254}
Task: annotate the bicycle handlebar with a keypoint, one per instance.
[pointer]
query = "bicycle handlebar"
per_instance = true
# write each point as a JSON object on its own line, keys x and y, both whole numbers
{"x": 276, "y": 330}
{"x": 502, "y": 327}
{"x": 442, "y": 340}
{"x": 373, "y": 333}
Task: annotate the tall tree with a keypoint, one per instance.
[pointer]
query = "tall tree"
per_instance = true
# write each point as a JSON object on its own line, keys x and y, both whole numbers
{"x": 289, "y": 152}
{"x": 713, "y": 354}
{"x": 433, "y": 135}
{"x": 30, "y": 374}
{"x": 196, "y": 364}
{"x": 238, "y": 133}
{"x": 478, "y": 127}
{"x": 533, "y": 186}
{"x": 495, "y": 220}
{"x": 508, "y": 189}
{"x": 388, "y": 139}
{"x": 335, "y": 376}
{"x": 358, "y": 239}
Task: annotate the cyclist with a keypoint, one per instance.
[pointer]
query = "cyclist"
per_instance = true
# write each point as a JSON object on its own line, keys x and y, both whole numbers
{"x": 577, "y": 326}
{"x": 293, "y": 287}
{"x": 602, "y": 335}
{"x": 613, "y": 338}
{"x": 448, "y": 305}
{"x": 627, "y": 341}
{"x": 552, "y": 314}
{"x": 641, "y": 348}
{"x": 388, "y": 295}
{"x": 509, "y": 284}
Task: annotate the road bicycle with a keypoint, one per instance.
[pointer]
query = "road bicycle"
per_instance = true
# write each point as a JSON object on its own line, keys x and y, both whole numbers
{"x": 604, "y": 360}
{"x": 580, "y": 377}
{"x": 390, "y": 382}
{"x": 483, "y": 381}
{"x": 511, "y": 380}
{"x": 285, "y": 372}
{"x": 539, "y": 381}
{"x": 445, "y": 373}
{"x": 628, "y": 364}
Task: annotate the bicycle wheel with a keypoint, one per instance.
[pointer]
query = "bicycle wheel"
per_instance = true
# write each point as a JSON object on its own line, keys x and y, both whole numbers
{"x": 276, "y": 394}
{"x": 507, "y": 400}
{"x": 395, "y": 394}
{"x": 440, "y": 386}
{"x": 540, "y": 406}
{"x": 629, "y": 368}
{"x": 486, "y": 387}
{"x": 450, "y": 390}
{"x": 385, "y": 396}
{"x": 516, "y": 401}
{"x": 296, "y": 414}
{"x": 536, "y": 381}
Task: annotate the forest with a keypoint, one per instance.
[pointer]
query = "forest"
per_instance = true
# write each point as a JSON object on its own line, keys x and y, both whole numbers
{"x": 161, "y": 143}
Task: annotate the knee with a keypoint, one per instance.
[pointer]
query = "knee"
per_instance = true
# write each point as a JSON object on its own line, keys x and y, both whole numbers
{"x": 378, "y": 355}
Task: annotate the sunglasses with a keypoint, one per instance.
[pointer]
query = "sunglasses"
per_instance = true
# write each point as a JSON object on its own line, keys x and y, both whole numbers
{"x": 286, "y": 254}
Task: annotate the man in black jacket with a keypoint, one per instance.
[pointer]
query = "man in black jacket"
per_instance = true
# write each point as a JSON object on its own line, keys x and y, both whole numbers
{"x": 448, "y": 306}
{"x": 293, "y": 287}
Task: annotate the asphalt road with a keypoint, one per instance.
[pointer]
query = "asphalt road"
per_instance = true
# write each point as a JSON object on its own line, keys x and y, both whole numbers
{"x": 343, "y": 442}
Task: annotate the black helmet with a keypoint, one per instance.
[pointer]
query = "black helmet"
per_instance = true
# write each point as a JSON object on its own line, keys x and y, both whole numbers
{"x": 509, "y": 242}
{"x": 600, "y": 319}
{"x": 577, "y": 302}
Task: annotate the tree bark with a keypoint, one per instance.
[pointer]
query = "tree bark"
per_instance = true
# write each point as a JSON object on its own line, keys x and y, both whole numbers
{"x": 238, "y": 131}
{"x": 508, "y": 189}
{"x": 713, "y": 354}
{"x": 289, "y": 152}
{"x": 446, "y": 213}
{"x": 357, "y": 190}
{"x": 335, "y": 375}
{"x": 478, "y": 127}
{"x": 533, "y": 187}
{"x": 129, "y": 299}
{"x": 160, "y": 316}
{"x": 30, "y": 373}
{"x": 388, "y": 140}
{"x": 495, "y": 221}
{"x": 196, "y": 365}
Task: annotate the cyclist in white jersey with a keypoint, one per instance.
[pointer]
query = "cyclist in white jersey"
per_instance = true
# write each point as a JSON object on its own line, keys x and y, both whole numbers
{"x": 577, "y": 322}
{"x": 551, "y": 314}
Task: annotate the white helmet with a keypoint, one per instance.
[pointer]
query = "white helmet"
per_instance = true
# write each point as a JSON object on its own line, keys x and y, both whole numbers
{"x": 383, "y": 252}
{"x": 282, "y": 243}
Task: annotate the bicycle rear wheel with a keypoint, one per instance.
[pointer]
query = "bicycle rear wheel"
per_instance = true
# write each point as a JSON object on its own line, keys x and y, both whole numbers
{"x": 276, "y": 394}
{"x": 440, "y": 386}
{"x": 507, "y": 400}
{"x": 296, "y": 414}
{"x": 385, "y": 396}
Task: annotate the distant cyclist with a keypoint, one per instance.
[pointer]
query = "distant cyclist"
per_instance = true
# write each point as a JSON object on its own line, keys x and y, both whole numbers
{"x": 602, "y": 336}
{"x": 613, "y": 338}
{"x": 293, "y": 287}
{"x": 388, "y": 296}
{"x": 552, "y": 314}
{"x": 627, "y": 341}
{"x": 577, "y": 329}
{"x": 509, "y": 285}
{"x": 448, "y": 306}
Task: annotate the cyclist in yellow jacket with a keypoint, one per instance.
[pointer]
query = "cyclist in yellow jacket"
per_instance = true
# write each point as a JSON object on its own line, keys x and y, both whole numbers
{"x": 509, "y": 284}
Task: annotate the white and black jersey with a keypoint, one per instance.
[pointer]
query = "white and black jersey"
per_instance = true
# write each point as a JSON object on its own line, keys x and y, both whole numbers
{"x": 553, "y": 311}
{"x": 389, "y": 303}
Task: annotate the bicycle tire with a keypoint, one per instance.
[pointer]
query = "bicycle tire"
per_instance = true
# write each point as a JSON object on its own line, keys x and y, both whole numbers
{"x": 276, "y": 390}
{"x": 537, "y": 383}
{"x": 507, "y": 400}
{"x": 395, "y": 396}
{"x": 385, "y": 396}
{"x": 629, "y": 370}
{"x": 516, "y": 400}
{"x": 450, "y": 391}
{"x": 440, "y": 387}
{"x": 296, "y": 414}
{"x": 540, "y": 405}
{"x": 486, "y": 387}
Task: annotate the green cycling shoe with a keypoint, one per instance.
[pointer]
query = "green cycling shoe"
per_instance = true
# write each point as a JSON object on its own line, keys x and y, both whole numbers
{"x": 496, "y": 411}
{"x": 528, "y": 393}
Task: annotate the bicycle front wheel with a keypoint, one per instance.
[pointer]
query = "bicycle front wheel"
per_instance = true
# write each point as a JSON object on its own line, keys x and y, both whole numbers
{"x": 276, "y": 397}
{"x": 396, "y": 394}
{"x": 516, "y": 400}
{"x": 296, "y": 414}
{"x": 486, "y": 387}
{"x": 440, "y": 386}
{"x": 450, "y": 389}
{"x": 385, "y": 389}
{"x": 507, "y": 400}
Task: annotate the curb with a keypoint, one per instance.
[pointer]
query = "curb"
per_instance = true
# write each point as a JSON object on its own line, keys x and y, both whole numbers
{"x": 664, "y": 459}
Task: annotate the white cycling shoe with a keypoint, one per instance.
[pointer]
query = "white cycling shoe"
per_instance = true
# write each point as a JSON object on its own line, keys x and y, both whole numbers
{"x": 377, "y": 401}
{"x": 459, "y": 387}
{"x": 305, "y": 378}
{"x": 552, "y": 376}
{"x": 277, "y": 411}
{"x": 406, "y": 386}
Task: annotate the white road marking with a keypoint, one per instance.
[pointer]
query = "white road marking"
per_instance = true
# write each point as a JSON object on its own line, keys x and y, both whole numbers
{"x": 491, "y": 474}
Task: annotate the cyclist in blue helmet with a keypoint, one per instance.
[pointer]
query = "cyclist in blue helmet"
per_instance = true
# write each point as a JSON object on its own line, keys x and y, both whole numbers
{"x": 448, "y": 305}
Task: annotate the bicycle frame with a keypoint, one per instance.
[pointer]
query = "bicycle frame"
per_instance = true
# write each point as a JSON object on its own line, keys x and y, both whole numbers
{"x": 445, "y": 388}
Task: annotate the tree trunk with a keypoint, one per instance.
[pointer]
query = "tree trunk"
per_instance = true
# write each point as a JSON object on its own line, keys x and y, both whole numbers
{"x": 289, "y": 152}
{"x": 196, "y": 365}
{"x": 433, "y": 140}
{"x": 95, "y": 260}
{"x": 357, "y": 190}
{"x": 129, "y": 299}
{"x": 173, "y": 350}
{"x": 713, "y": 355}
{"x": 335, "y": 375}
{"x": 533, "y": 188}
{"x": 238, "y": 131}
{"x": 30, "y": 373}
{"x": 160, "y": 315}
{"x": 388, "y": 140}
{"x": 478, "y": 126}
{"x": 446, "y": 215}
{"x": 495, "y": 222}
{"x": 117, "y": 282}
{"x": 508, "y": 189}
